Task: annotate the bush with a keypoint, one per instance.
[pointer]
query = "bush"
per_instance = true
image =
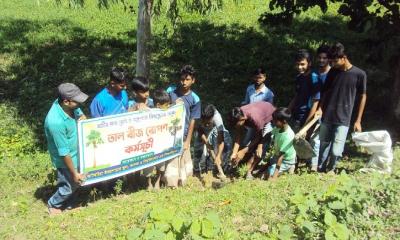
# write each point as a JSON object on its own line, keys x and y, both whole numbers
{"x": 161, "y": 223}
{"x": 16, "y": 137}
{"x": 346, "y": 209}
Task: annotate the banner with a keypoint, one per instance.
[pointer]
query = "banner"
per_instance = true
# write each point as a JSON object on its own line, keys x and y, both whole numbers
{"x": 116, "y": 145}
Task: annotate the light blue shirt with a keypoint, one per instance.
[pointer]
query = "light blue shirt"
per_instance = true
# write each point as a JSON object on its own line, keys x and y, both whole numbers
{"x": 105, "y": 104}
{"x": 252, "y": 96}
{"x": 321, "y": 82}
{"x": 62, "y": 135}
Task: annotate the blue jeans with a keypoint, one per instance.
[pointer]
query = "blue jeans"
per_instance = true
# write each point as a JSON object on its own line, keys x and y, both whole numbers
{"x": 286, "y": 165}
{"x": 66, "y": 187}
{"x": 316, "y": 144}
{"x": 334, "y": 136}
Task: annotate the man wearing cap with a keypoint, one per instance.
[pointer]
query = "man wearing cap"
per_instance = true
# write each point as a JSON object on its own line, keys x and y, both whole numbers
{"x": 62, "y": 140}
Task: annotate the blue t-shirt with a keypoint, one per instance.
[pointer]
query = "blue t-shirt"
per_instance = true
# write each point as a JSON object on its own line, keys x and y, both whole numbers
{"x": 132, "y": 103}
{"x": 192, "y": 105}
{"x": 321, "y": 82}
{"x": 264, "y": 95}
{"x": 307, "y": 87}
{"x": 105, "y": 103}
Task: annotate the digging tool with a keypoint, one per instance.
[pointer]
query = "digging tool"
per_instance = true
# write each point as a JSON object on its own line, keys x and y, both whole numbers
{"x": 303, "y": 148}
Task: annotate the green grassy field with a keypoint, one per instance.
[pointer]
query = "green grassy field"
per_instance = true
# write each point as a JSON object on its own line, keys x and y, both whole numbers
{"x": 42, "y": 45}
{"x": 244, "y": 207}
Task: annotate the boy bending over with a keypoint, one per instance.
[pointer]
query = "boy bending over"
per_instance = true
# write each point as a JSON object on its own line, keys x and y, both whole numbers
{"x": 213, "y": 141}
{"x": 256, "y": 115}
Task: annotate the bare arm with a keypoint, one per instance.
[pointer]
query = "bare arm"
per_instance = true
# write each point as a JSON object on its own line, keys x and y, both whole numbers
{"x": 221, "y": 144}
{"x": 313, "y": 110}
{"x": 256, "y": 140}
{"x": 76, "y": 177}
{"x": 255, "y": 144}
{"x": 320, "y": 106}
{"x": 291, "y": 104}
{"x": 236, "y": 145}
{"x": 82, "y": 117}
{"x": 361, "y": 107}
{"x": 202, "y": 135}
{"x": 203, "y": 138}
{"x": 190, "y": 133}
{"x": 278, "y": 166}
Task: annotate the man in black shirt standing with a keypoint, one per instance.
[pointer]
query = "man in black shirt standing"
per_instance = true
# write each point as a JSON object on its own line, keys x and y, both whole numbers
{"x": 343, "y": 84}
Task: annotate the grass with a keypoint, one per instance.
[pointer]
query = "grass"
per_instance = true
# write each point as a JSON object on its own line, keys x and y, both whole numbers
{"x": 44, "y": 45}
{"x": 252, "y": 204}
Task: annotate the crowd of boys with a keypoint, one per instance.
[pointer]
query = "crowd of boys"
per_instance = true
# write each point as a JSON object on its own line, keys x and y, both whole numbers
{"x": 328, "y": 92}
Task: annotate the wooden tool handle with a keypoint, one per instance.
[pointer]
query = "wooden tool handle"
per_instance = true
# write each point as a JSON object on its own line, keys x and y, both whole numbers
{"x": 212, "y": 153}
{"x": 307, "y": 126}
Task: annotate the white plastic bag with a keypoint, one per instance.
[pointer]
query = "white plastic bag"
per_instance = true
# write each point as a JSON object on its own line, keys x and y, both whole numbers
{"x": 379, "y": 144}
{"x": 178, "y": 169}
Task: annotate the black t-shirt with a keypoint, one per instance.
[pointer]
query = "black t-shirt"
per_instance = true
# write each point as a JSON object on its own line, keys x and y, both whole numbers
{"x": 340, "y": 90}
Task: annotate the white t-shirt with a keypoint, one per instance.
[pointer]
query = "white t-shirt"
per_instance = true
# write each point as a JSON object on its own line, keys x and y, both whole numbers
{"x": 216, "y": 122}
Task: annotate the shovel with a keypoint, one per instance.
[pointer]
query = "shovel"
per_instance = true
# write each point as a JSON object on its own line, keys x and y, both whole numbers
{"x": 303, "y": 148}
{"x": 221, "y": 172}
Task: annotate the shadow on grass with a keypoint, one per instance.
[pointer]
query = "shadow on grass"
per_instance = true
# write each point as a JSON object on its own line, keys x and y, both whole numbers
{"x": 87, "y": 194}
{"x": 226, "y": 55}
{"x": 36, "y": 59}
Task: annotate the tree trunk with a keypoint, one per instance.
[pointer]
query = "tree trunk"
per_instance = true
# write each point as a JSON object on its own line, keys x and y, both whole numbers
{"x": 396, "y": 88}
{"x": 143, "y": 38}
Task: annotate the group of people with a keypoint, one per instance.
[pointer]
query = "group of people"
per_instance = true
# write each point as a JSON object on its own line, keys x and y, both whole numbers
{"x": 328, "y": 92}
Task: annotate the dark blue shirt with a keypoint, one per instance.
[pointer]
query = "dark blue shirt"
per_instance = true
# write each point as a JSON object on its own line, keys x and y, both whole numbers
{"x": 192, "y": 105}
{"x": 307, "y": 87}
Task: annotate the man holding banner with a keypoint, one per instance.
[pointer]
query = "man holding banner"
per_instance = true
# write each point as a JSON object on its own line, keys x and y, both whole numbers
{"x": 182, "y": 167}
{"x": 62, "y": 140}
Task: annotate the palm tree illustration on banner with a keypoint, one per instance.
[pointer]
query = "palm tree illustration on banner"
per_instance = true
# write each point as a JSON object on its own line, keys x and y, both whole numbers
{"x": 174, "y": 128}
{"x": 94, "y": 139}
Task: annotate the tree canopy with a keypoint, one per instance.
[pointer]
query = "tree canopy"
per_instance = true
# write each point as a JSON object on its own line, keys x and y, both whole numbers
{"x": 364, "y": 14}
{"x": 380, "y": 19}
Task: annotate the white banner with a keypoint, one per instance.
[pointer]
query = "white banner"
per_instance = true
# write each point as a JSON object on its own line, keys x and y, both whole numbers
{"x": 116, "y": 145}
